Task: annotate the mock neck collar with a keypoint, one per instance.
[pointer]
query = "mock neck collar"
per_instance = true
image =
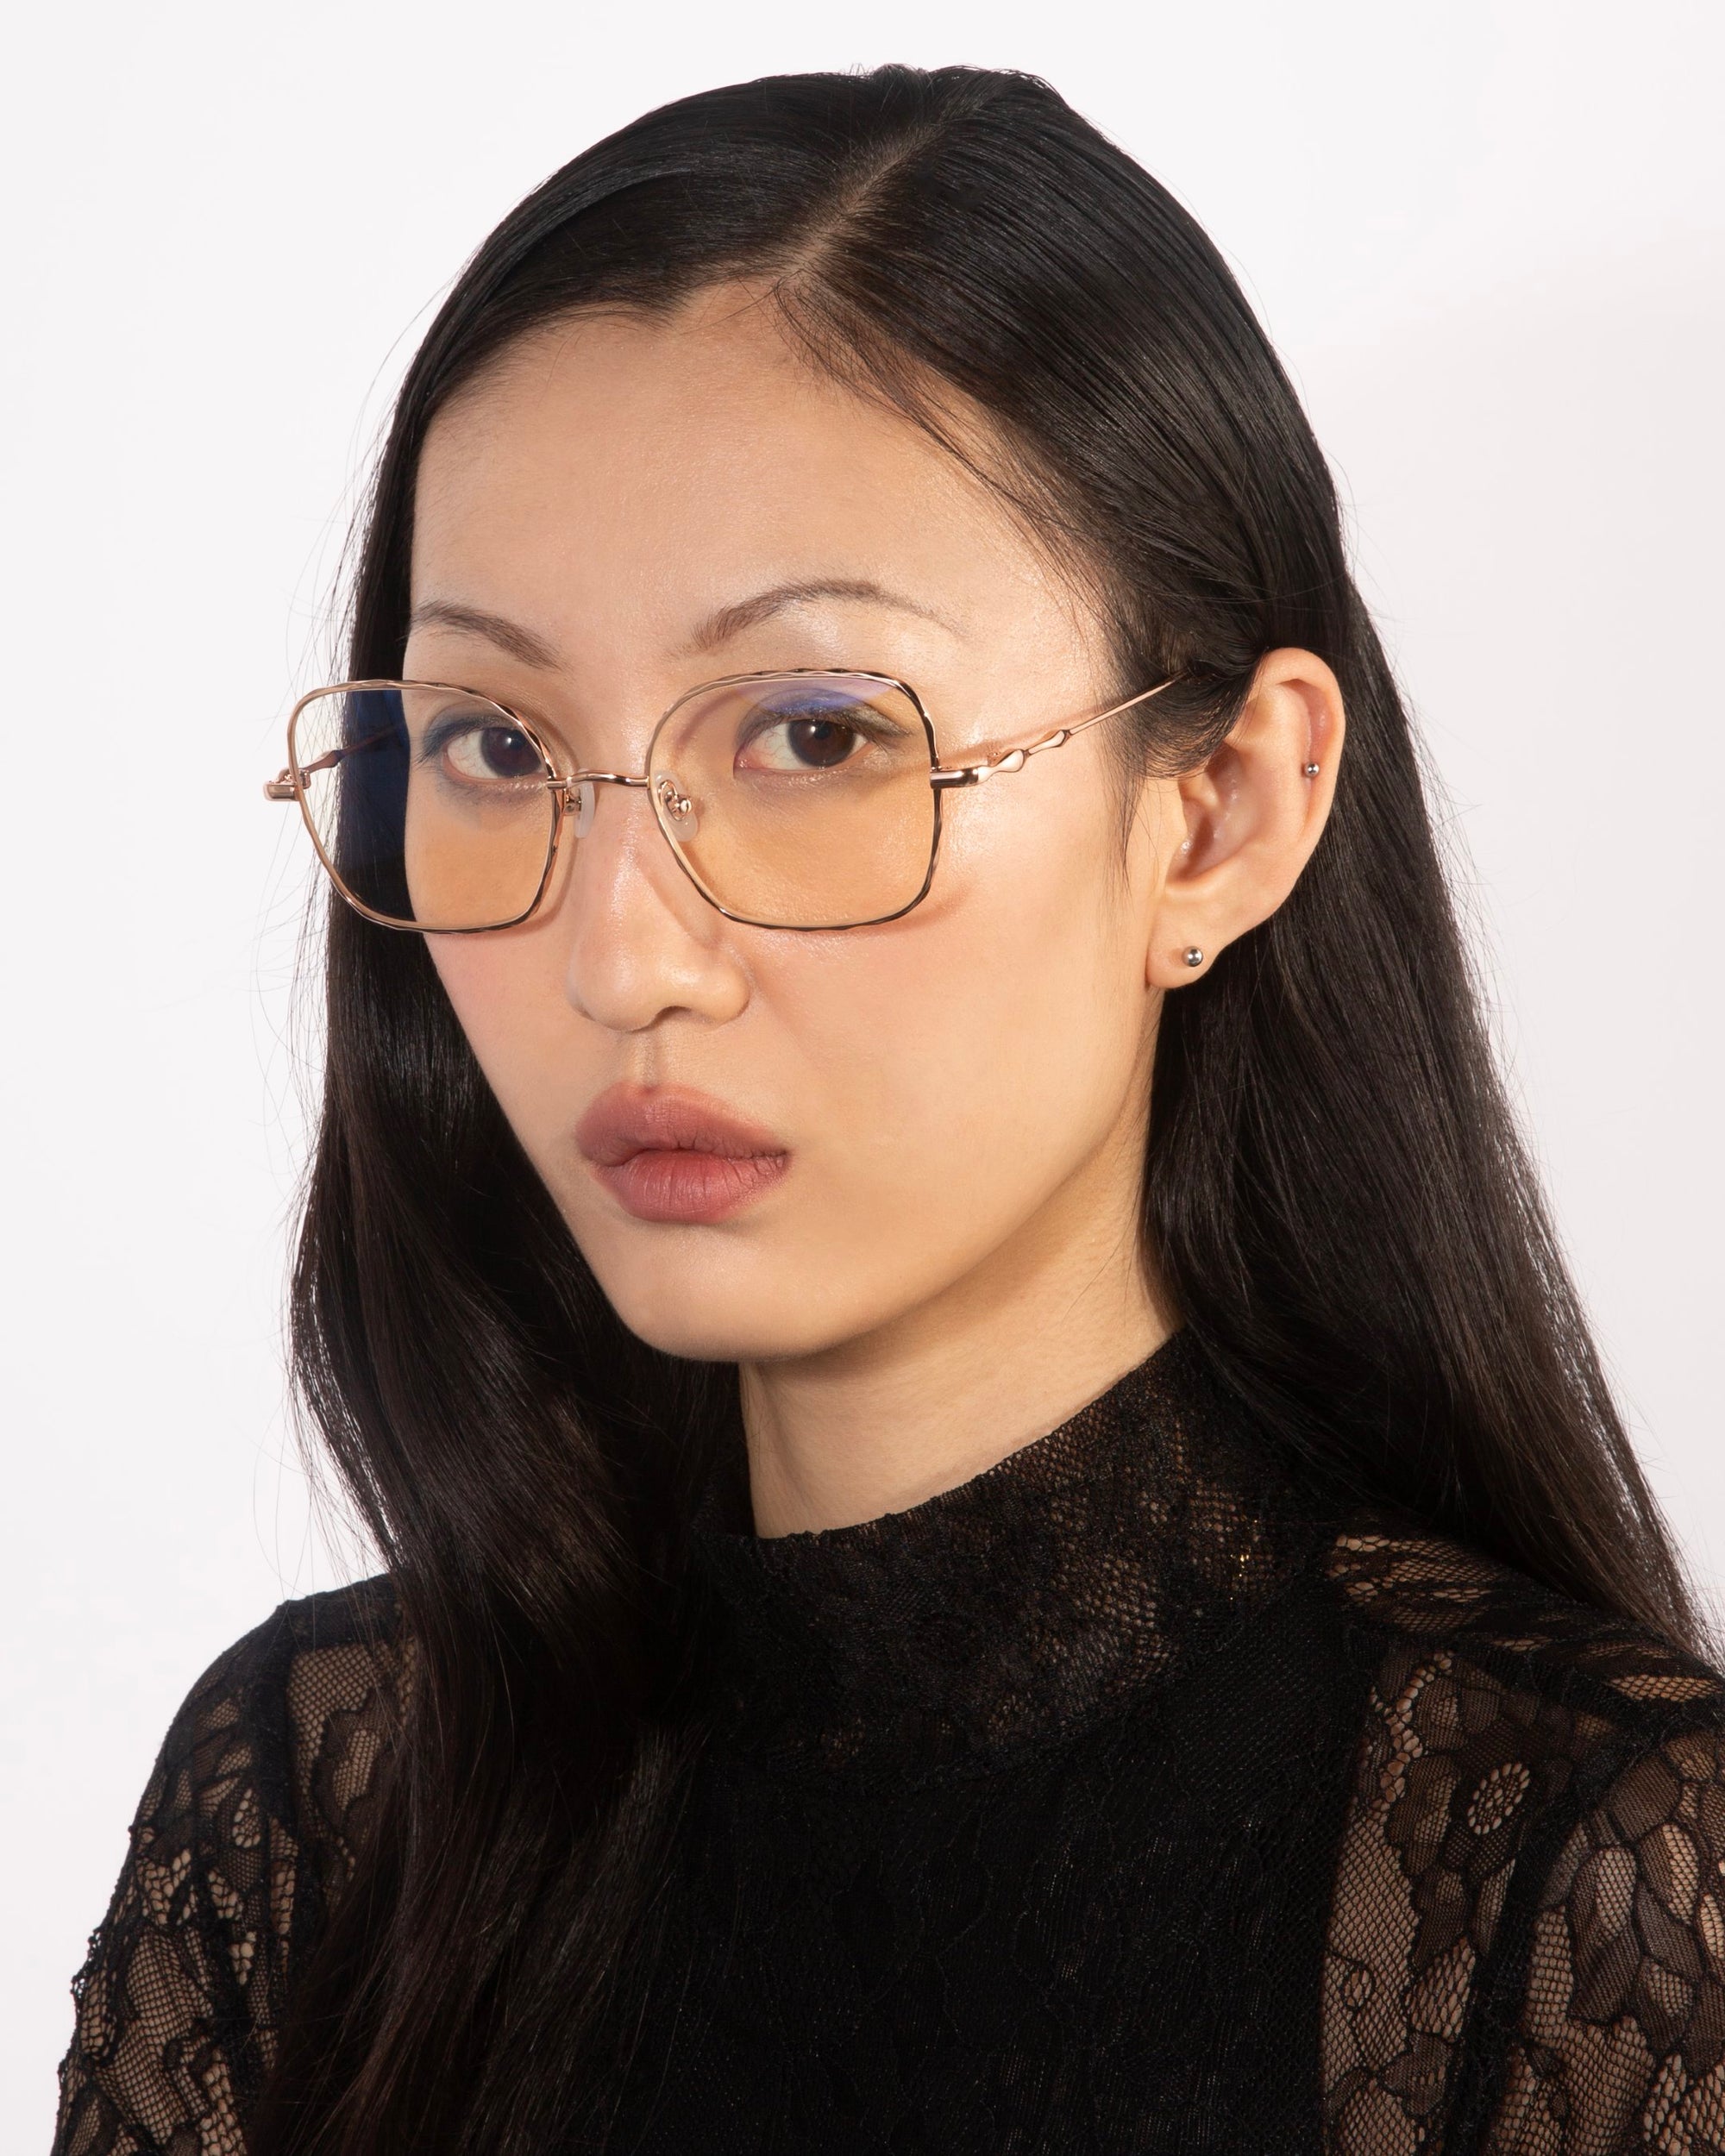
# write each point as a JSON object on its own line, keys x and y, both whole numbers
{"x": 1042, "y": 1594}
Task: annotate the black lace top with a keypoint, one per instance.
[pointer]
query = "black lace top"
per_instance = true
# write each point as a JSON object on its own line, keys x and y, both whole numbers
{"x": 1116, "y": 1801}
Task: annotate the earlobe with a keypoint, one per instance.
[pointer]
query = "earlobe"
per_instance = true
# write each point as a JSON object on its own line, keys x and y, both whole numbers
{"x": 1253, "y": 813}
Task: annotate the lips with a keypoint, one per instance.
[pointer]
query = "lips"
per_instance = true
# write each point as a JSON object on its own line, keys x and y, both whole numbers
{"x": 669, "y": 1154}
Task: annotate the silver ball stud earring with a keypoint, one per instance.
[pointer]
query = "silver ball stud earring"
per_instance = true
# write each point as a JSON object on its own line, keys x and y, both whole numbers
{"x": 1312, "y": 770}
{"x": 1193, "y": 956}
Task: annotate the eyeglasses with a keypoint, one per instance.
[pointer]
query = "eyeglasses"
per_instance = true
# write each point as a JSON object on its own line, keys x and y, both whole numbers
{"x": 808, "y": 799}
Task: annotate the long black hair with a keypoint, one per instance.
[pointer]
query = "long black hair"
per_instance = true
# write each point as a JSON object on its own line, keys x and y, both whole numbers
{"x": 1334, "y": 1194}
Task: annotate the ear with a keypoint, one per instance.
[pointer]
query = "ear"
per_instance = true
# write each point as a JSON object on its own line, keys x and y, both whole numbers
{"x": 1251, "y": 816}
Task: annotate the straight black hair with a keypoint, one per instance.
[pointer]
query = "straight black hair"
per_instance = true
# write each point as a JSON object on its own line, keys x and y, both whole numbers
{"x": 1334, "y": 1195}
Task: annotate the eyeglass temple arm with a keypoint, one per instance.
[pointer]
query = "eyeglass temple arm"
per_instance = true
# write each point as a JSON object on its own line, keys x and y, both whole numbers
{"x": 281, "y": 787}
{"x": 1015, "y": 759}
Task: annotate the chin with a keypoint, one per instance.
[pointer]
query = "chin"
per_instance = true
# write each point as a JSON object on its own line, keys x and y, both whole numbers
{"x": 693, "y": 1312}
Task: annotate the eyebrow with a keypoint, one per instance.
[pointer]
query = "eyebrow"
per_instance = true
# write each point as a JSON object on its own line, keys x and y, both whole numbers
{"x": 474, "y": 621}
{"x": 716, "y": 628}
{"x": 726, "y": 622}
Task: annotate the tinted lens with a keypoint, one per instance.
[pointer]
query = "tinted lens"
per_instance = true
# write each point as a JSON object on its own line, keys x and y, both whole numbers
{"x": 429, "y": 806}
{"x": 800, "y": 801}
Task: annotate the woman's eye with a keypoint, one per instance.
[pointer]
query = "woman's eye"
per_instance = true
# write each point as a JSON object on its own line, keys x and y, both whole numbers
{"x": 806, "y": 740}
{"x": 483, "y": 756}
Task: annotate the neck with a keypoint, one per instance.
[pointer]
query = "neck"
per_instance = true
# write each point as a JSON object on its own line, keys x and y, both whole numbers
{"x": 943, "y": 1392}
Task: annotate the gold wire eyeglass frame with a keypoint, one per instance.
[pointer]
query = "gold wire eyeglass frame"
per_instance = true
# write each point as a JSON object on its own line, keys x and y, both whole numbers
{"x": 289, "y": 785}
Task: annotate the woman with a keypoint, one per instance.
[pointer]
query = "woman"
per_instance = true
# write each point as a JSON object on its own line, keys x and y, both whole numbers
{"x": 1002, "y": 1531}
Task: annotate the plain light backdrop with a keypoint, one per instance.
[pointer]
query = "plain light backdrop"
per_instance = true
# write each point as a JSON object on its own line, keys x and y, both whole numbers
{"x": 1488, "y": 238}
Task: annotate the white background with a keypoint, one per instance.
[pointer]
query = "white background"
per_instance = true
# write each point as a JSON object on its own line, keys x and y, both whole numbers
{"x": 1488, "y": 238}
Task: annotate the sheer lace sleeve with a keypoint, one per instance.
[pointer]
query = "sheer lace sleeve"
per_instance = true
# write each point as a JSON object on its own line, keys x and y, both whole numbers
{"x": 1527, "y": 1951}
{"x": 1619, "y": 2044}
{"x": 247, "y": 1824}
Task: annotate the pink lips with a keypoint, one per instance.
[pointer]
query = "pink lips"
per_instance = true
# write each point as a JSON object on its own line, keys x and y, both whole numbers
{"x": 668, "y": 1154}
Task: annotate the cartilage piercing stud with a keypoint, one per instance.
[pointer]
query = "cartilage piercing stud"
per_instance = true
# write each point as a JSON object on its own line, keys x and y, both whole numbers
{"x": 1312, "y": 770}
{"x": 1193, "y": 956}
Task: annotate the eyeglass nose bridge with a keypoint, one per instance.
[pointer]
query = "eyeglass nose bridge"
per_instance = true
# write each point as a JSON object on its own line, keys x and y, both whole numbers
{"x": 581, "y": 798}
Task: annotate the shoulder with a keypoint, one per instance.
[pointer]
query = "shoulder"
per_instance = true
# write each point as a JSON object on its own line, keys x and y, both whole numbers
{"x": 293, "y": 1717}
{"x": 270, "y": 1763}
{"x": 1431, "y": 1594}
{"x": 246, "y": 1826}
{"x": 1526, "y": 1926}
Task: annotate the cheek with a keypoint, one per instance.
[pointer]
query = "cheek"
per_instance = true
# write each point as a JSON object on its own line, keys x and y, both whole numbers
{"x": 1034, "y": 1049}
{"x": 506, "y": 994}
{"x": 962, "y": 1063}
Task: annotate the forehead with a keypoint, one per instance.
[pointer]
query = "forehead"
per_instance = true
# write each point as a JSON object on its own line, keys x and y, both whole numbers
{"x": 661, "y": 463}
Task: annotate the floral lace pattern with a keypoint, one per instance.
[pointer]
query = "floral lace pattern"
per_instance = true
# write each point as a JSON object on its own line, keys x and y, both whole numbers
{"x": 249, "y": 1817}
{"x": 1498, "y": 1713}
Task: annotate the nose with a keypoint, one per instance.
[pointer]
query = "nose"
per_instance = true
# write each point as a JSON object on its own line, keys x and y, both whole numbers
{"x": 643, "y": 943}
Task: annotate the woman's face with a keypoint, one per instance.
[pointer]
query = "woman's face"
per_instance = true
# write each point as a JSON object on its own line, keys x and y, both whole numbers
{"x": 926, "y": 1110}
